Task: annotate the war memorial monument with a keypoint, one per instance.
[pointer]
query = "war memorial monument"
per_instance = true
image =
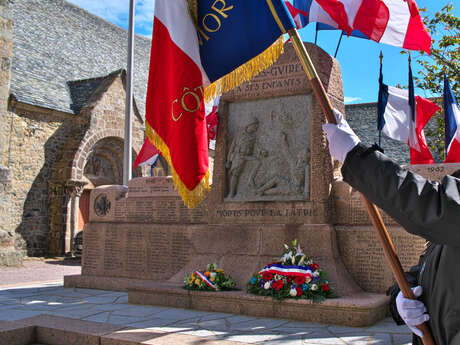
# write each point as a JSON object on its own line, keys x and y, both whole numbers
{"x": 273, "y": 181}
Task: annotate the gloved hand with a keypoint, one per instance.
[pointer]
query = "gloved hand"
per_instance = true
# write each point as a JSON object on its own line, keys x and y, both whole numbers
{"x": 412, "y": 311}
{"x": 341, "y": 137}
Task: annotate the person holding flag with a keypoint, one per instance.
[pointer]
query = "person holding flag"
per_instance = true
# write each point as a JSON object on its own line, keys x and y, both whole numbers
{"x": 424, "y": 208}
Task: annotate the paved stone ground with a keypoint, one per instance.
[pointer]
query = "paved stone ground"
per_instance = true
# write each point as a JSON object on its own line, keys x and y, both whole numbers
{"x": 39, "y": 270}
{"x": 22, "y": 300}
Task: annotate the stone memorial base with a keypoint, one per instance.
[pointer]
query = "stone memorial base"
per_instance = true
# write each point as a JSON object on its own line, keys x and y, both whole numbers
{"x": 141, "y": 237}
{"x": 150, "y": 262}
{"x": 358, "y": 310}
{"x": 166, "y": 252}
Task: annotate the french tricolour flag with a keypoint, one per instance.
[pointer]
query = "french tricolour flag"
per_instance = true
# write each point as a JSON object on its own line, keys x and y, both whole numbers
{"x": 297, "y": 14}
{"x": 452, "y": 121}
{"x": 148, "y": 155}
{"x": 395, "y": 121}
{"x": 394, "y": 22}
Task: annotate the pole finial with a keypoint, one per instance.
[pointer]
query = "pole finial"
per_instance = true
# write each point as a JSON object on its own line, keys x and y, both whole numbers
{"x": 381, "y": 57}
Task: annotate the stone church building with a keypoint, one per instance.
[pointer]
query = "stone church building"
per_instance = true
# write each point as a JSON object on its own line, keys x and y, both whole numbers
{"x": 62, "y": 106}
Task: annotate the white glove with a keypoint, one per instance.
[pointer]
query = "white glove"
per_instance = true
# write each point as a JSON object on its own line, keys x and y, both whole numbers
{"x": 341, "y": 137}
{"x": 412, "y": 311}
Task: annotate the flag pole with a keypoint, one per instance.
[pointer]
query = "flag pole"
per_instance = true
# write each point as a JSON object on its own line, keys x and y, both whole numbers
{"x": 338, "y": 44}
{"x": 316, "y": 32}
{"x": 374, "y": 214}
{"x": 127, "y": 156}
{"x": 380, "y": 86}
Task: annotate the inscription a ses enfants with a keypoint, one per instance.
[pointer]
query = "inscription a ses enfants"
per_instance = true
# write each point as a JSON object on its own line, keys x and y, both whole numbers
{"x": 286, "y": 78}
{"x": 288, "y": 212}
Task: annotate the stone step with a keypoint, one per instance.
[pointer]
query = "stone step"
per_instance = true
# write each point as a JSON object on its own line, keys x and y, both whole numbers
{"x": 357, "y": 310}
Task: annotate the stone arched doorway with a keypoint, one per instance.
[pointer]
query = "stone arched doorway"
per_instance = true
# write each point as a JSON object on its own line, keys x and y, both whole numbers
{"x": 96, "y": 161}
{"x": 104, "y": 166}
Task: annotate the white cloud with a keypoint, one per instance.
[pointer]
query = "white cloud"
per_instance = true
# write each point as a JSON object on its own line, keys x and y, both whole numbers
{"x": 351, "y": 99}
{"x": 117, "y": 12}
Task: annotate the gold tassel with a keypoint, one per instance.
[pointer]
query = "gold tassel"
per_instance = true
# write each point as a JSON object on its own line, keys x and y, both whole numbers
{"x": 191, "y": 198}
{"x": 245, "y": 72}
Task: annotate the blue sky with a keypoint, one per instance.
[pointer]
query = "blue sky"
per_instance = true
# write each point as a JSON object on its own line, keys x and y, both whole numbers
{"x": 358, "y": 58}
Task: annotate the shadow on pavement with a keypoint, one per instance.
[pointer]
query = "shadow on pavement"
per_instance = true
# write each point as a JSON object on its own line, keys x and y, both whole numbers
{"x": 64, "y": 262}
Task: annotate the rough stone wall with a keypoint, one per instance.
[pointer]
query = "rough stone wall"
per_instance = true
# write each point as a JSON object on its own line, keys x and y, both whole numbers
{"x": 102, "y": 118}
{"x": 38, "y": 137}
{"x": 6, "y": 53}
{"x": 363, "y": 119}
{"x": 48, "y": 148}
{"x": 106, "y": 115}
{"x": 8, "y": 256}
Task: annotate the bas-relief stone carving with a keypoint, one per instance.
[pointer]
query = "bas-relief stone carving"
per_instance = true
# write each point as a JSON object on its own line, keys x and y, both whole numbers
{"x": 268, "y": 156}
{"x": 99, "y": 166}
{"x": 242, "y": 150}
{"x": 101, "y": 205}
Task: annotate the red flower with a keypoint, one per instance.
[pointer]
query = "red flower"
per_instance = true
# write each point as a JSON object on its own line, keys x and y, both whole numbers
{"x": 289, "y": 279}
{"x": 299, "y": 291}
{"x": 314, "y": 266}
{"x": 278, "y": 285}
{"x": 268, "y": 276}
{"x": 299, "y": 280}
{"x": 325, "y": 287}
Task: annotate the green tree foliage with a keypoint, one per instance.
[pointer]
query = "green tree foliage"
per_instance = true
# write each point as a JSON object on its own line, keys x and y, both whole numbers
{"x": 444, "y": 28}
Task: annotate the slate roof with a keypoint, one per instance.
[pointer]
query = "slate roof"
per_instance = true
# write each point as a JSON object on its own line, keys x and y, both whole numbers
{"x": 57, "y": 43}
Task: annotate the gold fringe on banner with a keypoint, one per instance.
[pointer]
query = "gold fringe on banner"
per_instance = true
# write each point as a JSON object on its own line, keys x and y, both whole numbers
{"x": 191, "y": 198}
{"x": 245, "y": 72}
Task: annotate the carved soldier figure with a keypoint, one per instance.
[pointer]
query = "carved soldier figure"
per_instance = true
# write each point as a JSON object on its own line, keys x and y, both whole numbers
{"x": 241, "y": 150}
{"x": 292, "y": 183}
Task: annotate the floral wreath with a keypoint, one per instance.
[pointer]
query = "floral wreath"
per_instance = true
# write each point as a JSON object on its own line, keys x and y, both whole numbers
{"x": 294, "y": 276}
{"x": 211, "y": 279}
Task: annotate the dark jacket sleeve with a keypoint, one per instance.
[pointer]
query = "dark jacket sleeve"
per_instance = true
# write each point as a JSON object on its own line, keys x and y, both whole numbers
{"x": 425, "y": 208}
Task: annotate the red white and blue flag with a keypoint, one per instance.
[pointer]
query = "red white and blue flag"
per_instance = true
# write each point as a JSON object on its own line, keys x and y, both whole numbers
{"x": 393, "y": 22}
{"x": 201, "y": 49}
{"x": 452, "y": 124}
{"x": 148, "y": 155}
{"x": 402, "y": 116}
{"x": 297, "y": 14}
